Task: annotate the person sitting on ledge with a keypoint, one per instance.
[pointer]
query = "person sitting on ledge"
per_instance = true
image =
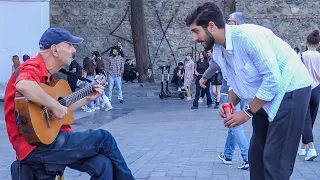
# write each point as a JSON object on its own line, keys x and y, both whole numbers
{"x": 178, "y": 74}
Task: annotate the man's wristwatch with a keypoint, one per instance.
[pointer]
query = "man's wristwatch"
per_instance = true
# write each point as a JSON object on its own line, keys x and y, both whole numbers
{"x": 249, "y": 112}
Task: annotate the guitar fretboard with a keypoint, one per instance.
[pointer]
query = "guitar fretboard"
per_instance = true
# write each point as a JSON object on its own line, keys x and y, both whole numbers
{"x": 76, "y": 96}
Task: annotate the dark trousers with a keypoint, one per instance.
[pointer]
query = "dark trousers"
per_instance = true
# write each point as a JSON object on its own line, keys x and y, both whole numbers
{"x": 312, "y": 112}
{"x": 129, "y": 76}
{"x": 90, "y": 151}
{"x": 178, "y": 81}
{"x": 203, "y": 92}
{"x": 206, "y": 91}
{"x": 274, "y": 145}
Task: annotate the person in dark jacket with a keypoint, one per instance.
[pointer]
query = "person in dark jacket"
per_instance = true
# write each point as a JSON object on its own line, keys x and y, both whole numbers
{"x": 130, "y": 72}
{"x": 178, "y": 74}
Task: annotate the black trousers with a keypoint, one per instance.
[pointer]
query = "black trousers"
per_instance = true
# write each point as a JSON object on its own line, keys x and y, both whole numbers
{"x": 178, "y": 81}
{"x": 129, "y": 76}
{"x": 274, "y": 145}
{"x": 312, "y": 112}
{"x": 206, "y": 91}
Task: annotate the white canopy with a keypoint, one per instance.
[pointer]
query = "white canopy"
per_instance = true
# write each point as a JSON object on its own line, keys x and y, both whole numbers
{"x": 21, "y": 26}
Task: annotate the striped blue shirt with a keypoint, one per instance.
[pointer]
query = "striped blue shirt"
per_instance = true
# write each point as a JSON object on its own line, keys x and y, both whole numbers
{"x": 257, "y": 63}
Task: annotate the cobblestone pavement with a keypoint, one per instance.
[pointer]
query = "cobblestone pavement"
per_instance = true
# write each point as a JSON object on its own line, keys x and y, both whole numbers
{"x": 165, "y": 140}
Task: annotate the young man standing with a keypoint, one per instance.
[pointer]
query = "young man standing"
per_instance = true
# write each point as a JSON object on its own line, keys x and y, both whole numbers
{"x": 115, "y": 68}
{"x": 264, "y": 70}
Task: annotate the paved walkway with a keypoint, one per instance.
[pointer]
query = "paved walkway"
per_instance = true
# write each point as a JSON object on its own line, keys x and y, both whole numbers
{"x": 165, "y": 140}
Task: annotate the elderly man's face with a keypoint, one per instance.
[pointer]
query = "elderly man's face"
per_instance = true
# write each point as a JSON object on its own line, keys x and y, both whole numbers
{"x": 64, "y": 52}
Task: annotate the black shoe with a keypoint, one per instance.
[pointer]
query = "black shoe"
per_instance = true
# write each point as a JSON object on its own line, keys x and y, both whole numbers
{"x": 131, "y": 81}
{"x": 126, "y": 82}
{"x": 194, "y": 107}
{"x": 210, "y": 106}
{"x": 121, "y": 101}
{"x": 217, "y": 105}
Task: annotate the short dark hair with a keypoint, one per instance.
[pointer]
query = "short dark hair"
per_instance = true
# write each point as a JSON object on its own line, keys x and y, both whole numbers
{"x": 189, "y": 54}
{"x": 25, "y": 57}
{"x": 202, "y": 15}
{"x": 96, "y": 53}
{"x": 313, "y": 38}
{"x": 180, "y": 64}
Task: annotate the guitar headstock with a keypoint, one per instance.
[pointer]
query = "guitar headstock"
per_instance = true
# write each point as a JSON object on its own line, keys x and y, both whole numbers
{"x": 101, "y": 79}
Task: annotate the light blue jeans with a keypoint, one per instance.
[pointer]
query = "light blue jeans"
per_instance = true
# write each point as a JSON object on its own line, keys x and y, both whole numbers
{"x": 91, "y": 104}
{"x": 114, "y": 81}
{"x": 236, "y": 136}
{"x": 211, "y": 93}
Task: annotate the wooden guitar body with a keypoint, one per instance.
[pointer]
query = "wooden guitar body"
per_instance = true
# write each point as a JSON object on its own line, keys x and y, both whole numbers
{"x": 37, "y": 125}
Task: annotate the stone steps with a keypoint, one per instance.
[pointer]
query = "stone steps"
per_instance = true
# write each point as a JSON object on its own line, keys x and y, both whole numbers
{"x": 148, "y": 89}
{"x": 145, "y": 89}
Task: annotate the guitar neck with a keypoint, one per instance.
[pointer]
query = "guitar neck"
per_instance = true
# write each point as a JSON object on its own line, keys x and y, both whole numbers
{"x": 76, "y": 96}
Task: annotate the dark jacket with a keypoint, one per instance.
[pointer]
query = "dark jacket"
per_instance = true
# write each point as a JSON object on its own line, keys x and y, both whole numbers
{"x": 175, "y": 76}
{"x": 129, "y": 69}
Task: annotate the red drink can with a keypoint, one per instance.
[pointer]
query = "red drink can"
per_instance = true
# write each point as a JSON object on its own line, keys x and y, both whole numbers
{"x": 227, "y": 107}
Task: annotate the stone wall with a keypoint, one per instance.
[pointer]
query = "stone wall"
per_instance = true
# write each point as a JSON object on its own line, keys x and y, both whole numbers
{"x": 292, "y": 20}
{"x": 100, "y": 23}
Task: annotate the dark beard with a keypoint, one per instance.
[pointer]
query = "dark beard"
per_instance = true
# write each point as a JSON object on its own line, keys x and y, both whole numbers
{"x": 209, "y": 41}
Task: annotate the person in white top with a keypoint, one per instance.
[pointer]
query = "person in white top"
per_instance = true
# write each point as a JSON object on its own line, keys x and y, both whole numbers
{"x": 311, "y": 59}
{"x": 264, "y": 70}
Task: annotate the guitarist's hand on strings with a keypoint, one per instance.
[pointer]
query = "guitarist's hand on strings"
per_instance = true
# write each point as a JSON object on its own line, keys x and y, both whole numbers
{"x": 59, "y": 111}
{"x": 98, "y": 90}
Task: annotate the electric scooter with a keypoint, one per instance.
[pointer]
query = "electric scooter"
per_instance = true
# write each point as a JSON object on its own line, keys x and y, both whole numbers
{"x": 174, "y": 94}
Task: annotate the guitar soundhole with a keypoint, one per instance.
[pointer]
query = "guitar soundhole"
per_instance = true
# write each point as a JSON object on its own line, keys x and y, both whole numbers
{"x": 62, "y": 101}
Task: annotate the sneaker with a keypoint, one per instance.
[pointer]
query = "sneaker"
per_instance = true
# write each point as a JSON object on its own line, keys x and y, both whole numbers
{"x": 311, "y": 155}
{"x": 84, "y": 107}
{"x": 90, "y": 110}
{"x": 97, "y": 108}
{"x": 244, "y": 165}
{"x": 121, "y": 101}
{"x": 189, "y": 98}
{"x": 179, "y": 89}
{"x": 200, "y": 100}
{"x": 302, "y": 152}
{"x": 108, "y": 108}
{"x": 224, "y": 159}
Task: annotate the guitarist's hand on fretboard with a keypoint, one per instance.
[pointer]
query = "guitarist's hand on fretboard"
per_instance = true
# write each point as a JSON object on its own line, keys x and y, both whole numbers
{"x": 98, "y": 90}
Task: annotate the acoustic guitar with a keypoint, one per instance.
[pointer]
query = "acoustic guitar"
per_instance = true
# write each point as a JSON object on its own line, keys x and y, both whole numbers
{"x": 36, "y": 123}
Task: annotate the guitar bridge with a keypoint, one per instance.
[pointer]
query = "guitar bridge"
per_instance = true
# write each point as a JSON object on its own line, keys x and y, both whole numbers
{"x": 45, "y": 115}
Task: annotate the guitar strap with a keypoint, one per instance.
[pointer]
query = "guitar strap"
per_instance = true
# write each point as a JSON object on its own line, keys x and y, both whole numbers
{"x": 63, "y": 71}
{"x": 18, "y": 122}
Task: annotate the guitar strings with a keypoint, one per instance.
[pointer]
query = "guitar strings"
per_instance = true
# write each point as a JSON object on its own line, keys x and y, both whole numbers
{"x": 72, "y": 97}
